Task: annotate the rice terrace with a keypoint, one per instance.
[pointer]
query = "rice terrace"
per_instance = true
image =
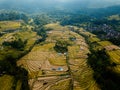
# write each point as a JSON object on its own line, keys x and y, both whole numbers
{"x": 59, "y": 45}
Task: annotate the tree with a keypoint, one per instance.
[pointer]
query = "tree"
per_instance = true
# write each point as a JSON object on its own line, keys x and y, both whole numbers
{"x": 61, "y": 46}
{"x": 18, "y": 44}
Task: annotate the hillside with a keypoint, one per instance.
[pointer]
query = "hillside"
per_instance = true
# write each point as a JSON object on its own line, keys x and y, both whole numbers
{"x": 67, "y": 69}
{"x": 60, "y": 49}
{"x": 15, "y": 42}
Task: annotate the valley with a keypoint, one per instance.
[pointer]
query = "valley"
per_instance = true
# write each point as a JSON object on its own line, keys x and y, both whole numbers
{"x": 60, "y": 50}
{"x": 68, "y": 69}
{"x": 56, "y": 63}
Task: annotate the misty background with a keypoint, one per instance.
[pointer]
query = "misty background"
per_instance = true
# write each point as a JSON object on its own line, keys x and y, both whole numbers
{"x": 35, "y": 5}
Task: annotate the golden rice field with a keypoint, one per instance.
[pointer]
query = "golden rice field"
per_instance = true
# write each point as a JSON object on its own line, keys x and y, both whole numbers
{"x": 9, "y": 25}
{"x": 114, "y": 56}
{"x": 43, "y": 61}
{"x": 49, "y": 70}
{"x": 82, "y": 70}
{"x": 78, "y": 64}
{"x": 94, "y": 39}
{"x": 112, "y": 51}
{"x": 88, "y": 34}
{"x": 43, "y": 58}
{"x": 5, "y": 37}
{"x": 6, "y": 82}
{"x": 104, "y": 43}
{"x": 30, "y": 36}
{"x": 55, "y": 26}
{"x": 79, "y": 68}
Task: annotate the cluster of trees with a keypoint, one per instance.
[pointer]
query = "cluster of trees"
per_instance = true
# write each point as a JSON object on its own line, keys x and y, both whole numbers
{"x": 41, "y": 19}
{"x": 83, "y": 15}
{"x": 61, "y": 46}
{"x": 100, "y": 13}
{"x": 75, "y": 19}
{"x": 104, "y": 21}
{"x": 103, "y": 68}
{"x": 113, "y": 23}
{"x": 9, "y": 67}
{"x": 116, "y": 41}
{"x": 72, "y": 38}
{"x": 104, "y": 76}
{"x": 12, "y": 15}
{"x": 41, "y": 31}
{"x": 98, "y": 60}
{"x": 17, "y": 44}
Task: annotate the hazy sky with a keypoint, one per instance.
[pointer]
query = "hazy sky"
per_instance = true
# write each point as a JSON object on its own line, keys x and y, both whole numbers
{"x": 58, "y": 3}
{"x": 63, "y": 1}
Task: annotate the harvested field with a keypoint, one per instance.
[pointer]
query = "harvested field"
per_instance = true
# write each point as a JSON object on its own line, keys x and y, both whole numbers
{"x": 43, "y": 60}
{"x": 112, "y": 47}
{"x": 50, "y": 70}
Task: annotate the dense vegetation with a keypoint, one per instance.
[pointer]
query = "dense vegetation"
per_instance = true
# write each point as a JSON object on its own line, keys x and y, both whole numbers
{"x": 106, "y": 29}
{"x": 100, "y": 63}
{"x": 12, "y": 15}
{"x": 41, "y": 19}
{"x": 18, "y": 44}
{"x": 9, "y": 67}
{"x": 103, "y": 22}
{"x": 61, "y": 46}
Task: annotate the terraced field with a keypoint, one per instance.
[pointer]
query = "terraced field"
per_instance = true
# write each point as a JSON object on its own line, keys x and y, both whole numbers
{"x": 80, "y": 70}
{"x": 9, "y": 25}
{"x": 27, "y": 36}
{"x": 50, "y": 70}
{"x": 11, "y": 32}
{"x": 112, "y": 60}
{"x": 44, "y": 61}
{"x": 45, "y": 65}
